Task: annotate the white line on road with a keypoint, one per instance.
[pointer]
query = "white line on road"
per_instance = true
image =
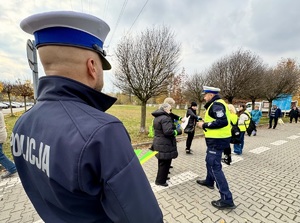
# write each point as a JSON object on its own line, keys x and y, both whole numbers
{"x": 234, "y": 159}
{"x": 259, "y": 150}
{"x": 278, "y": 143}
{"x": 175, "y": 180}
{"x": 293, "y": 137}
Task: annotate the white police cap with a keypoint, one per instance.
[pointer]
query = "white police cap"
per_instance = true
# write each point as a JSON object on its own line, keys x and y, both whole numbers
{"x": 213, "y": 90}
{"x": 68, "y": 28}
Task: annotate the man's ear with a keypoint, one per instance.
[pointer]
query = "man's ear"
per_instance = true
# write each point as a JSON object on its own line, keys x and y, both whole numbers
{"x": 91, "y": 67}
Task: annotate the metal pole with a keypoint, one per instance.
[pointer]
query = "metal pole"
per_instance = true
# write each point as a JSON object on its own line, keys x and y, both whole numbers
{"x": 35, "y": 72}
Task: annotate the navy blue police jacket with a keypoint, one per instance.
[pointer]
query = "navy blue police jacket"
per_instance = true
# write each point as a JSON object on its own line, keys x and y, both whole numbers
{"x": 218, "y": 112}
{"x": 76, "y": 163}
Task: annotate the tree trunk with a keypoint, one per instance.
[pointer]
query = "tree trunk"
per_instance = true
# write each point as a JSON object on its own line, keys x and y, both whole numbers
{"x": 143, "y": 117}
{"x": 11, "y": 110}
{"x": 253, "y": 104}
{"x": 25, "y": 103}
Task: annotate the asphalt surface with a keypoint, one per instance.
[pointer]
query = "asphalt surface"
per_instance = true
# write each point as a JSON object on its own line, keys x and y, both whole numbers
{"x": 264, "y": 181}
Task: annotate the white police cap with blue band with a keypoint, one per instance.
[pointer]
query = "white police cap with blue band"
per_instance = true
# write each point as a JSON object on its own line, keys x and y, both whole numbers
{"x": 68, "y": 28}
{"x": 213, "y": 90}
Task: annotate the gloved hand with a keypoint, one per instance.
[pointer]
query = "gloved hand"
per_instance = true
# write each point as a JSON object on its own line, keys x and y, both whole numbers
{"x": 179, "y": 131}
{"x": 177, "y": 124}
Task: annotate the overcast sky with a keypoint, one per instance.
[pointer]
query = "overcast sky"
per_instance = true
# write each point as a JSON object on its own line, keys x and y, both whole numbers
{"x": 206, "y": 29}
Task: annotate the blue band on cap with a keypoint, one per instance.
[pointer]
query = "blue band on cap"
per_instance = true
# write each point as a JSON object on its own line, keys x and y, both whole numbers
{"x": 66, "y": 36}
{"x": 209, "y": 91}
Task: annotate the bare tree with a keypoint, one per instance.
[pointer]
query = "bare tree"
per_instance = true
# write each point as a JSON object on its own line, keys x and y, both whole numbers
{"x": 8, "y": 89}
{"x": 194, "y": 87}
{"x": 282, "y": 80}
{"x": 145, "y": 64}
{"x": 24, "y": 89}
{"x": 255, "y": 86}
{"x": 233, "y": 73}
{"x": 177, "y": 86}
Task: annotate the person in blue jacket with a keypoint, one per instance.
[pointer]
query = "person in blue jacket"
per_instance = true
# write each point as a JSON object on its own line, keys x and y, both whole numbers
{"x": 10, "y": 167}
{"x": 256, "y": 115}
{"x": 76, "y": 162}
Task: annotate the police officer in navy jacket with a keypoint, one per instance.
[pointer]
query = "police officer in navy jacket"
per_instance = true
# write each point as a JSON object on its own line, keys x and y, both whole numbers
{"x": 76, "y": 163}
{"x": 217, "y": 131}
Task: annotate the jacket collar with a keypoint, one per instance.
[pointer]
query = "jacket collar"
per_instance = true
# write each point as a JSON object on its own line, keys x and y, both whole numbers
{"x": 59, "y": 88}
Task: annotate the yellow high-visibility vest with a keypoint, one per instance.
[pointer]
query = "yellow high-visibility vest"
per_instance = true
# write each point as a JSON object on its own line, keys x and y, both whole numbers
{"x": 224, "y": 132}
{"x": 245, "y": 125}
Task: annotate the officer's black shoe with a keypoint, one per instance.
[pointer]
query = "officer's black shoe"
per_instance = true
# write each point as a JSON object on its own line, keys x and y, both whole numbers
{"x": 188, "y": 151}
{"x": 164, "y": 185}
{"x": 203, "y": 183}
{"x": 220, "y": 204}
{"x": 227, "y": 160}
{"x": 171, "y": 166}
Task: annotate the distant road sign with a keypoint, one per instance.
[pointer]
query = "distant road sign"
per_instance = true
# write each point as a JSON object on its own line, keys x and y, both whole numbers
{"x": 30, "y": 55}
{"x": 32, "y": 61}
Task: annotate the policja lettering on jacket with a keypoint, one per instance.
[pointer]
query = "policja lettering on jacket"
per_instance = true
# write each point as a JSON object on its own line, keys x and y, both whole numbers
{"x": 28, "y": 148}
{"x": 93, "y": 176}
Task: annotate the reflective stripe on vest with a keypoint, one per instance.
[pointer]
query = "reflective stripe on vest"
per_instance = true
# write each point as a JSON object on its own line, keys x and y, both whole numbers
{"x": 246, "y": 123}
{"x": 233, "y": 118}
{"x": 220, "y": 133}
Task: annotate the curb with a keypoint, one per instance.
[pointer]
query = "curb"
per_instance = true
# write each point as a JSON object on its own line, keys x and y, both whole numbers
{"x": 146, "y": 144}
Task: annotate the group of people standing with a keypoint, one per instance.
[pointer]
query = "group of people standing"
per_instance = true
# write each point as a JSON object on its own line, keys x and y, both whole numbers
{"x": 84, "y": 167}
{"x": 166, "y": 130}
{"x": 219, "y": 119}
{"x": 217, "y": 131}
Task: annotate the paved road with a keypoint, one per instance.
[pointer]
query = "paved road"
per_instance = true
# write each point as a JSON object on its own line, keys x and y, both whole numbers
{"x": 265, "y": 182}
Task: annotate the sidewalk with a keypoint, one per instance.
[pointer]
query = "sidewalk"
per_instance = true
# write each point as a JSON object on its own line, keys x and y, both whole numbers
{"x": 264, "y": 181}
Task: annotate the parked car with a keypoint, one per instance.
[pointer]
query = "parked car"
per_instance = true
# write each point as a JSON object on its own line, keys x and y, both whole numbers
{"x": 17, "y": 104}
{"x": 27, "y": 104}
{"x": 2, "y": 105}
{"x": 13, "y": 104}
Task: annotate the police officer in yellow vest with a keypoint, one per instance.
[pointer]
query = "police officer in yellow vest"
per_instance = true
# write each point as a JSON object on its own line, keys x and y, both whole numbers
{"x": 217, "y": 131}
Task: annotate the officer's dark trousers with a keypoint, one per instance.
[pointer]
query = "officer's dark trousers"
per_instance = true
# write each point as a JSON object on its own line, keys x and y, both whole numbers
{"x": 163, "y": 171}
{"x": 189, "y": 140}
{"x": 215, "y": 173}
{"x": 275, "y": 122}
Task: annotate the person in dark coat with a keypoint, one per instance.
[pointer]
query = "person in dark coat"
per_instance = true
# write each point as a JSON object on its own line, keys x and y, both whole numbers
{"x": 175, "y": 118}
{"x": 275, "y": 114}
{"x": 191, "y": 112}
{"x": 76, "y": 162}
{"x": 294, "y": 113}
{"x": 164, "y": 142}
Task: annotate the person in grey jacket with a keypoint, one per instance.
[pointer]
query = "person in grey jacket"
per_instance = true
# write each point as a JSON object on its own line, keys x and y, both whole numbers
{"x": 164, "y": 142}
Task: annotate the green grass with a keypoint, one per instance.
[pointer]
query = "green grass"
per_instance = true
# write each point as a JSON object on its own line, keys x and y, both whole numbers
{"x": 130, "y": 115}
